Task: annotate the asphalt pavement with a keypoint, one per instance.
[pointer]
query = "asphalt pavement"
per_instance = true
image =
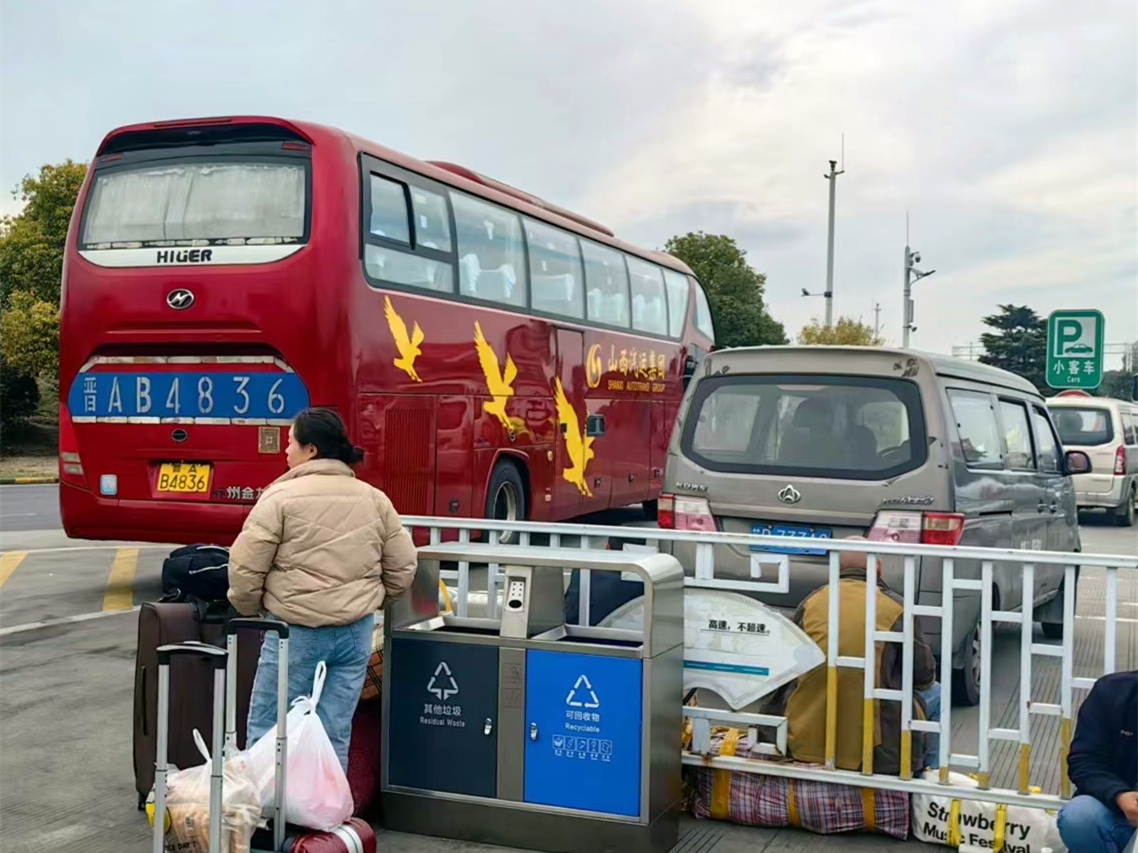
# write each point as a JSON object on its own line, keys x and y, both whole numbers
{"x": 67, "y": 642}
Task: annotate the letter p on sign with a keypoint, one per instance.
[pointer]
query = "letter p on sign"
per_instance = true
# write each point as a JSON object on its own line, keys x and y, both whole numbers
{"x": 1067, "y": 332}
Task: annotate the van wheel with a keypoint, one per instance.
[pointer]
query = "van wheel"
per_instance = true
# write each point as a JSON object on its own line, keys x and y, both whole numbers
{"x": 506, "y": 498}
{"x": 649, "y": 508}
{"x": 966, "y": 679}
{"x": 1126, "y": 514}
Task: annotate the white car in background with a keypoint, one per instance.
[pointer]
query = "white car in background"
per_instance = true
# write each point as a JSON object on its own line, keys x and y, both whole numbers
{"x": 1107, "y": 431}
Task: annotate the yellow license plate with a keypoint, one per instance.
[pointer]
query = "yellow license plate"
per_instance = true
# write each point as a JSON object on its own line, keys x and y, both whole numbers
{"x": 183, "y": 478}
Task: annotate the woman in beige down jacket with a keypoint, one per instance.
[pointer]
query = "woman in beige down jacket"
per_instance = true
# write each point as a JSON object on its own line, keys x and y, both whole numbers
{"x": 321, "y": 551}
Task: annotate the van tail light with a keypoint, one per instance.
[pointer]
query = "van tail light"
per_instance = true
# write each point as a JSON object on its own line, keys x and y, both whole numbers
{"x": 665, "y": 512}
{"x": 70, "y": 465}
{"x": 1120, "y": 460}
{"x": 924, "y": 528}
{"x": 692, "y": 514}
{"x": 941, "y": 528}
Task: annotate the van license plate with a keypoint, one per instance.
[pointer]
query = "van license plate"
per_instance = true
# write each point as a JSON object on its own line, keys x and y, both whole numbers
{"x": 183, "y": 478}
{"x": 794, "y": 531}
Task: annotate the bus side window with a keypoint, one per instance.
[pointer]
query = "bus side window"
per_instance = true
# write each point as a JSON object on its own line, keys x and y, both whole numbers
{"x": 702, "y": 311}
{"x": 649, "y": 309}
{"x": 389, "y": 210}
{"x": 490, "y": 256}
{"x": 677, "y": 302}
{"x": 432, "y": 224}
{"x": 606, "y": 285}
{"x": 389, "y": 221}
{"x": 556, "y": 276}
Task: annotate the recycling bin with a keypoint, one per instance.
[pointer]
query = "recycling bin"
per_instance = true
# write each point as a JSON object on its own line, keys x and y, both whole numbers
{"x": 525, "y": 731}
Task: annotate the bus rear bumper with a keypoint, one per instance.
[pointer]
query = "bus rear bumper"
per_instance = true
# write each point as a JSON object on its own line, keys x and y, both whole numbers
{"x": 88, "y": 516}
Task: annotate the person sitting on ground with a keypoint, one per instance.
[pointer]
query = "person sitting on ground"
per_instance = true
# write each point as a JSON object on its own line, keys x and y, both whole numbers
{"x": 1103, "y": 765}
{"x": 803, "y": 702}
{"x": 321, "y": 551}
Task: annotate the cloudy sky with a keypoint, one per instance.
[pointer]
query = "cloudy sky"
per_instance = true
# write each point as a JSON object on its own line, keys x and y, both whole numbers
{"x": 1008, "y": 130}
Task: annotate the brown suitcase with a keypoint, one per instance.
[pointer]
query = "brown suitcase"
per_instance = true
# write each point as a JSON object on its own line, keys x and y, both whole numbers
{"x": 165, "y": 623}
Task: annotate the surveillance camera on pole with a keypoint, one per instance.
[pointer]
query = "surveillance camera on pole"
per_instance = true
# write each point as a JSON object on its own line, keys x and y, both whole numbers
{"x": 912, "y": 275}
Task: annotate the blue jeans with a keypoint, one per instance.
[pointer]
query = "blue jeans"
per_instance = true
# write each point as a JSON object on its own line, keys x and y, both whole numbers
{"x": 1087, "y": 826}
{"x": 345, "y": 650}
{"x": 931, "y": 698}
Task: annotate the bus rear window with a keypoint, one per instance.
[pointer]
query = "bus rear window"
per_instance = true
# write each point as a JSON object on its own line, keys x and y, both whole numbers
{"x": 847, "y": 427}
{"x": 230, "y": 203}
{"x": 1079, "y": 427}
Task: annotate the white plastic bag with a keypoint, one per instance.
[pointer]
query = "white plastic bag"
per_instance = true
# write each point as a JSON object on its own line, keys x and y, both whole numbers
{"x": 317, "y": 793}
{"x": 187, "y": 805}
{"x": 971, "y": 823}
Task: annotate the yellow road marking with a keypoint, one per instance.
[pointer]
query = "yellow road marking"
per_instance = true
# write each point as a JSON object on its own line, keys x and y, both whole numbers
{"x": 9, "y": 562}
{"x": 120, "y": 582}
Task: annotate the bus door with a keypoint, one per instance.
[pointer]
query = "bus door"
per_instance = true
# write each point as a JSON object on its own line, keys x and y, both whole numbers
{"x": 581, "y": 485}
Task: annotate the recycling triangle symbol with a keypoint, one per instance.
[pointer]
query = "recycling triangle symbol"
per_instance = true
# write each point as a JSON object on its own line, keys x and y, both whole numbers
{"x": 576, "y": 700}
{"x": 442, "y": 675}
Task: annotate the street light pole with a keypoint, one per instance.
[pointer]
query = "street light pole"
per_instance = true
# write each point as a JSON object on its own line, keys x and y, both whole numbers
{"x": 833, "y": 179}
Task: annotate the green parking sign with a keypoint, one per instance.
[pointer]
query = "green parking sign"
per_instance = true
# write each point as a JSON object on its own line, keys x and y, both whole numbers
{"x": 1074, "y": 349}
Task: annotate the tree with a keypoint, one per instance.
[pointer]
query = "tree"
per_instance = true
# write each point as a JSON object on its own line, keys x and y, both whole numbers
{"x": 32, "y": 241}
{"x": 1118, "y": 384}
{"x": 1019, "y": 344}
{"x": 19, "y": 396}
{"x": 734, "y": 289}
{"x": 29, "y": 335}
{"x": 845, "y": 332}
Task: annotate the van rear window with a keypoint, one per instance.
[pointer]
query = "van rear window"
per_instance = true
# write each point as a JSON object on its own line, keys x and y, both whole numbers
{"x": 847, "y": 427}
{"x": 1083, "y": 427}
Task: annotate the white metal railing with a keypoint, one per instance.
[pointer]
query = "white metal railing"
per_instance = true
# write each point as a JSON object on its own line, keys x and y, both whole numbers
{"x": 699, "y": 753}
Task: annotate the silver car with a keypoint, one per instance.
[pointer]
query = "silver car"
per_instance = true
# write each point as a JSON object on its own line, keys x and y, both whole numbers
{"x": 1107, "y": 431}
{"x": 813, "y": 443}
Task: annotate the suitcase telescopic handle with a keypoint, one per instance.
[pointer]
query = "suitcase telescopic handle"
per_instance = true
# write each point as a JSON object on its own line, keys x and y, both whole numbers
{"x": 218, "y": 660}
{"x": 276, "y": 625}
{"x": 232, "y": 627}
{"x": 217, "y": 657}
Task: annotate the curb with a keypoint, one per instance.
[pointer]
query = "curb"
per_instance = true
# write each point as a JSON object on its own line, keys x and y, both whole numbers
{"x": 28, "y": 481}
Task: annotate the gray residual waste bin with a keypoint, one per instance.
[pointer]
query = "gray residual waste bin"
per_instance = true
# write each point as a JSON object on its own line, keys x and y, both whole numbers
{"x": 528, "y": 732}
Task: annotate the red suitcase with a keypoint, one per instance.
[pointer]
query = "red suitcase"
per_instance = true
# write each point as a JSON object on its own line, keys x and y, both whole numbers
{"x": 363, "y": 755}
{"x": 355, "y": 836}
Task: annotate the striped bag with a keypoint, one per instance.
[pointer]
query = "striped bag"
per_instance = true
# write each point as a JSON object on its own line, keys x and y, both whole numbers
{"x": 755, "y": 799}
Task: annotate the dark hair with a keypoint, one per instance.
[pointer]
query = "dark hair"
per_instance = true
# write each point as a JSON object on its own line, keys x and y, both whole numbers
{"x": 325, "y": 430}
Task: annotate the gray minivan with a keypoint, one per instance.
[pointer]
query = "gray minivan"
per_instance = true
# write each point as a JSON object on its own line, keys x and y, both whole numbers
{"x": 818, "y": 442}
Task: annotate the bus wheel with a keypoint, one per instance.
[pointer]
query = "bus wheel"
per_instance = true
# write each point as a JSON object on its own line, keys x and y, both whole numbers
{"x": 506, "y": 498}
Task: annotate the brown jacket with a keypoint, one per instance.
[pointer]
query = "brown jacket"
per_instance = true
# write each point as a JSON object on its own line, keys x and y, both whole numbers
{"x": 320, "y": 548}
{"x": 804, "y": 701}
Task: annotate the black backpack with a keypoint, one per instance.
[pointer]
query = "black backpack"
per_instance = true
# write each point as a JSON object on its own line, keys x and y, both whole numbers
{"x": 196, "y": 572}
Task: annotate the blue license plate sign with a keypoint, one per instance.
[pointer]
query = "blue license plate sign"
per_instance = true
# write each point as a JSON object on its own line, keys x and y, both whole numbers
{"x": 175, "y": 396}
{"x": 794, "y": 531}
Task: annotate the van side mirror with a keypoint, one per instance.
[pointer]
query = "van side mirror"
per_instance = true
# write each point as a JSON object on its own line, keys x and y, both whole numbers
{"x": 1078, "y": 462}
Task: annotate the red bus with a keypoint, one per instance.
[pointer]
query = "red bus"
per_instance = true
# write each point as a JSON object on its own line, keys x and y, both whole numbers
{"x": 493, "y": 354}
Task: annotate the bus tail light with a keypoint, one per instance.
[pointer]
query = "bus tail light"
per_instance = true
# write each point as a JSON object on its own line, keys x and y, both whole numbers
{"x": 1120, "y": 460}
{"x": 925, "y": 528}
{"x": 70, "y": 465}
